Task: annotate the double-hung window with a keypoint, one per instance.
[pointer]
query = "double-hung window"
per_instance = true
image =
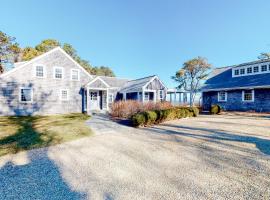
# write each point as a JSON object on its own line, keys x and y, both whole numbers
{"x": 58, "y": 72}
{"x": 248, "y": 95}
{"x": 75, "y": 75}
{"x": 222, "y": 96}
{"x": 40, "y": 71}
{"x": 26, "y": 95}
{"x": 236, "y": 72}
{"x": 242, "y": 71}
{"x": 64, "y": 95}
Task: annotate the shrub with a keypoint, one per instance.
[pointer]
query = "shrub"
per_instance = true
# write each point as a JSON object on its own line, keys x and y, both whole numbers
{"x": 150, "y": 117}
{"x": 126, "y": 109}
{"x": 158, "y": 116}
{"x": 194, "y": 112}
{"x": 215, "y": 109}
{"x": 138, "y": 119}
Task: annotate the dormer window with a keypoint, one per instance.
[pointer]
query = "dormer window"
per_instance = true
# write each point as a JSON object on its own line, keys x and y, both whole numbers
{"x": 255, "y": 69}
{"x": 263, "y": 68}
{"x": 236, "y": 72}
{"x": 249, "y": 70}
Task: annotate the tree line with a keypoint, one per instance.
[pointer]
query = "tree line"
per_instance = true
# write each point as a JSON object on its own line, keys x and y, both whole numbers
{"x": 10, "y": 52}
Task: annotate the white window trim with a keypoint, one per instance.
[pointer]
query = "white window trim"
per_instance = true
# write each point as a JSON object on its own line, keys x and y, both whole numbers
{"x": 20, "y": 95}
{"x": 221, "y": 100}
{"x": 253, "y": 73}
{"x": 243, "y": 96}
{"x": 54, "y": 68}
{"x": 44, "y": 71}
{"x": 78, "y": 74}
{"x": 61, "y": 95}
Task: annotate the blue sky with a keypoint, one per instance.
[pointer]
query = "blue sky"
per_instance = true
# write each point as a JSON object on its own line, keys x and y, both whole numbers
{"x": 144, "y": 37}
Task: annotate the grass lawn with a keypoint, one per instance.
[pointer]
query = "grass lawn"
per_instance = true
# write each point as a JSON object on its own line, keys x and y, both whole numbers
{"x": 24, "y": 133}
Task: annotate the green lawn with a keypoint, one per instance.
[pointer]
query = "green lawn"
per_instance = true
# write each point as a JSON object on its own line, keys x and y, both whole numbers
{"x": 24, "y": 133}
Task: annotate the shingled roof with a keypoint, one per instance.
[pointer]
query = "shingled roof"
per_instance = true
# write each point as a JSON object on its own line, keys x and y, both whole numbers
{"x": 137, "y": 84}
{"x": 221, "y": 79}
{"x": 114, "y": 81}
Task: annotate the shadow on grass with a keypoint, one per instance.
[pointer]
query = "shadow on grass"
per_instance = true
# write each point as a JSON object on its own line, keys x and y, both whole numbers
{"x": 39, "y": 178}
{"x": 25, "y": 138}
{"x": 215, "y": 135}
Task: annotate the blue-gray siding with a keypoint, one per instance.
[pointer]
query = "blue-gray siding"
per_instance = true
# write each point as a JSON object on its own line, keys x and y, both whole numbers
{"x": 234, "y": 101}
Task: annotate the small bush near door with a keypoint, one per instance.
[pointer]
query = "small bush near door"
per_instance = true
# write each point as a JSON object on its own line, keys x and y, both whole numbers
{"x": 157, "y": 116}
{"x": 215, "y": 109}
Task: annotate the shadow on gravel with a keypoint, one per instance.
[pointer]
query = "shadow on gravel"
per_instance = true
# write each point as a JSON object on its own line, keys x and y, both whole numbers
{"x": 38, "y": 179}
{"x": 262, "y": 144}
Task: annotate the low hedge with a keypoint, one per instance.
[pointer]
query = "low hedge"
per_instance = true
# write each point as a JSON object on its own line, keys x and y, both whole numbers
{"x": 157, "y": 116}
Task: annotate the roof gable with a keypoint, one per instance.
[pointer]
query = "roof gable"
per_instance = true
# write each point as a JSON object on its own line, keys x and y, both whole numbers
{"x": 59, "y": 49}
{"x": 98, "y": 83}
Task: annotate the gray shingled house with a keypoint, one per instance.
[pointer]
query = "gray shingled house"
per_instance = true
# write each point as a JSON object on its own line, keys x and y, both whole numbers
{"x": 244, "y": 87}
{"x": 54, "y": 83}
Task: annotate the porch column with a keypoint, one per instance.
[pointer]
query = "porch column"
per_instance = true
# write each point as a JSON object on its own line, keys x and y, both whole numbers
{"x": 155, "y": 96}
{"x": 171, "y": 97}
{"x": 180, "y": 101}
{"x": 138, "y": 96}
{"x": 124, "y": 96}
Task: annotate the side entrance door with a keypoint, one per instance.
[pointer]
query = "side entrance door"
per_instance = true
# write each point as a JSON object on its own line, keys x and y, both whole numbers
{"x": 94, "y": 100}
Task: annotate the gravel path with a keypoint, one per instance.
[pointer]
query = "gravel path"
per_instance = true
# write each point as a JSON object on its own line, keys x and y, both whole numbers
{"x": 209, "y": 157}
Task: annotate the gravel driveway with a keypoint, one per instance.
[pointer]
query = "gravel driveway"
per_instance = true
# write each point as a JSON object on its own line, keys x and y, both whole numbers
{"x": 209, "y": 157}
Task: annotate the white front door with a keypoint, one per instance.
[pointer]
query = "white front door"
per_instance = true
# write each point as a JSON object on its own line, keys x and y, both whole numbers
{"x": 94, "y": 100}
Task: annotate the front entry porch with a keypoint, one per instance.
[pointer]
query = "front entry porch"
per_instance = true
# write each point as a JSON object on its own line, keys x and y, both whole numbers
{"x": 96, "y": 100}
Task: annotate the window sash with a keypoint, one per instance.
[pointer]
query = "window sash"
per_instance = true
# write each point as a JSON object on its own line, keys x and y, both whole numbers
{"x": 249, "y": 70}
{"x": 236, "y": 72}
{"x": 64, "y": 95}
{"x": 93, "y": 96}
{"x": 58, "y": 73}
{"x": 74, "y": 75}
{"x": 248, "y": 95}
{"x": 39, "y": 71}
{"x": 26, "y": 95}
{"x": 263, "y": 68}
{"x": 222, "y": 96}
{"x": 256, "y": 69}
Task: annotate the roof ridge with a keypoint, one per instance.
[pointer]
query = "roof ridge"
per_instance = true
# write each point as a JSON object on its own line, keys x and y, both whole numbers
{"x": 141, "y": 78}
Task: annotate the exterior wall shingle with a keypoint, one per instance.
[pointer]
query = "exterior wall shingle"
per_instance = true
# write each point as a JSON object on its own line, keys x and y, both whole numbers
{"x": 234, "y": 101}
{"x": 46, "y": 91}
